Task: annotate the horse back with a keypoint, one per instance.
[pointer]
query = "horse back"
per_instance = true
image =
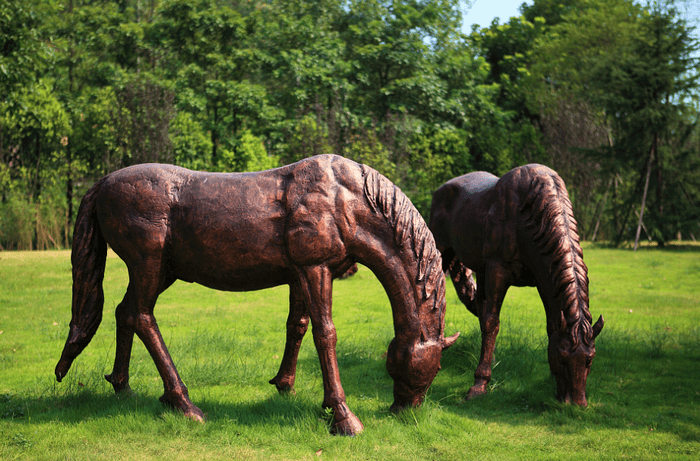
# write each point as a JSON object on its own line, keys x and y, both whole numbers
{"x": 486, "y": 218}
{"x": 232, "y": 231}
{"x": 460, "y": 213}
{"x": 220, "y": 230}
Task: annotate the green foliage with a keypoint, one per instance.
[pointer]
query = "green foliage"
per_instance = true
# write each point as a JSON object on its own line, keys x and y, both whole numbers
{"x": 29, "y": 225}
{"x": 366, "y": 148}
{"x": 248, "y": 154}
{"x": 16, "y": 230}
{"x": 95, "y": 140}
{"x": 433, "y": 156}
{"x": 22, "y": 53}
{"x": 602, "y": 81}
{"x": 581, "y": 85}
{"x": 35, "y": 130}
{"x": 142, "y": 122}
{"x": 652, "y": 85}
{"x": 309, "y": 138}
{"x": 191, "y": 145}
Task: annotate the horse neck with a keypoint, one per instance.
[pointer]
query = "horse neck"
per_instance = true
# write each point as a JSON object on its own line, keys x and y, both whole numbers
{"x": 562, "y": 282}
{"x": 418, "y": 311}
{"x": 412, "y": 274}
{"x": 556, "y": 255}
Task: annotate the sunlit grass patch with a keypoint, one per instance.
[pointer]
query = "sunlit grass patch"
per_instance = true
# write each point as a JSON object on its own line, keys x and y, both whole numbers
{"x": 643, "y": 395}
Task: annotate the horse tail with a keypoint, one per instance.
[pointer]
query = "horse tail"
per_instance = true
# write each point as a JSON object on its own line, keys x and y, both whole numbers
{"x": 556, "y": 233}
{"x": 88, "y": 257}
{"x": 410, "y": 231}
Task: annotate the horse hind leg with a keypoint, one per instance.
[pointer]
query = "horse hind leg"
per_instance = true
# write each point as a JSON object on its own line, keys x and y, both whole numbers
{"x": 145, "y": 284}
{"x": 297, "y": 324}
{"x": 489, "y": 300}
{"x": 125, "y": 317}
{"x": 119, "y": 378}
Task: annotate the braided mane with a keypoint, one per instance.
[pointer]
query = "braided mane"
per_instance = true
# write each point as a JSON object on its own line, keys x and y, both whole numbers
{"x": 409, "y": 230}
{"x": 556, "y": 234}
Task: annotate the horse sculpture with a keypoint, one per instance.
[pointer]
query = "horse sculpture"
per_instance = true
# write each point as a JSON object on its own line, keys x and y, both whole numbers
{"x": 519, "y": 230}
{"x": 302, "y": 225}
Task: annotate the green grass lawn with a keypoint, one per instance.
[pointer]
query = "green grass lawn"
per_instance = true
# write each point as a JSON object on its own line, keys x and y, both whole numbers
{"x": 644, "y": 387}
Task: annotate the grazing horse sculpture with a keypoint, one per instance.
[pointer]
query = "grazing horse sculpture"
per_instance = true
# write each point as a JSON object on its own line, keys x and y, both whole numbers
{"x": 302, "y": 225}
{"x": 519, "y": 230}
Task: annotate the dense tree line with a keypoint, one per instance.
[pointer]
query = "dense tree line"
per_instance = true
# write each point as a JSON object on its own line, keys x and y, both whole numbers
{"x": 603, "y": 91}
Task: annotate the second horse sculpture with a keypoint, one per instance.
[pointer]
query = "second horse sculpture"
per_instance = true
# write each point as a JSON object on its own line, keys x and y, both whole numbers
{"x": 302, "y": 225}
{"x": 519, "y": 230}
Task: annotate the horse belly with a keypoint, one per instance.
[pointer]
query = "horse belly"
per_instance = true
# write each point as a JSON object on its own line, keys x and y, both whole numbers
{"x": 238, "y": 278}
{"x": 229, "y": 250}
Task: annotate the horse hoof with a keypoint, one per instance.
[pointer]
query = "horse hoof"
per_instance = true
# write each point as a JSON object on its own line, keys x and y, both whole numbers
{"x": 189, "y": 409}
{"x": 121, "y": 388}
{"x": 475, "y": 392}
{"x": 350, "y": 426}
{"x": 125, "y": 393}
{"x": 62, "y": 369}
{"x": 195, "y": 414}
{"x": 283, "y": 389}
{"x": 396, "y": 408}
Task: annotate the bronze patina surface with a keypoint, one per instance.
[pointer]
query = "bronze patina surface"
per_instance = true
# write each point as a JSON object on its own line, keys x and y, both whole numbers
{"x": 302, "y": 225}
{"x": 519, "y": 230}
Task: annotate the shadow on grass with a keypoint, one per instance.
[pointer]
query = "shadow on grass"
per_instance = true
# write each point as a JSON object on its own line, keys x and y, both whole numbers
{"x": 638, "y": 381}
{"x": 73, "y": 402}
{"x": 74, "y": 407}
{"x": 90, "y": 405}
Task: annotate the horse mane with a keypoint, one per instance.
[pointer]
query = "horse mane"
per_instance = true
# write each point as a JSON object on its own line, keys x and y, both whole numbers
{"x": 410, "y": 230}
{"x": 556, "y": 235}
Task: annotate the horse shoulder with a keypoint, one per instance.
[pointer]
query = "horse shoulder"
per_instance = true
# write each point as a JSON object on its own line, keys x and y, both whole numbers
{"x": 312, "y": 234}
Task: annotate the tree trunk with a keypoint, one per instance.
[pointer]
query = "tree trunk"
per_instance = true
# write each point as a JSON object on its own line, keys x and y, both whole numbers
{"x": 69, "y": 192}
{"x": 602, "y": 210}
{"x": 214, "y": 136}
{"x": 36, "y": 188}
{"x": 629, "y": 205}
{"x": 646, "y": 189}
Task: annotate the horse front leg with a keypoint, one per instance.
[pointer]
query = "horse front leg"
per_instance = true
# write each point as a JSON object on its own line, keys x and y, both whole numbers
{"x": 297, "y": 324}
{"x": 489, "y": 298}
{"x": 316, "y": 286}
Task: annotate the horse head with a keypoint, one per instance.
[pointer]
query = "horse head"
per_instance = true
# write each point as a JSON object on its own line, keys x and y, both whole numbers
{"x": 570, "y": 362}
{"x": 413, "y": 365}
{"x": 413, "y": 357}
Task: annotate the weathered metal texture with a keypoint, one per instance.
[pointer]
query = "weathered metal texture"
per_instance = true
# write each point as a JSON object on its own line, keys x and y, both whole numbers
{"x": 519, "y": 230}
{"x": 302, "y": 225}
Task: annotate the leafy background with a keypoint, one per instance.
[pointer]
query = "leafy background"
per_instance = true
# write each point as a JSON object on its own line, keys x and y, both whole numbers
{"x": 604, "y": 92}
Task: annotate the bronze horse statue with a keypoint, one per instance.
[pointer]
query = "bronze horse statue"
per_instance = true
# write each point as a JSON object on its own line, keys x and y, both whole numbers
{"x": 519, "y": 230}
{"x": 302, "y": 225}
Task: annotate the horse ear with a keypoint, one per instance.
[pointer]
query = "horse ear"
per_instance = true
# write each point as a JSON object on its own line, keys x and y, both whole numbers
{"x": 598, "y": 326}
{"x": 450, "y": 340}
